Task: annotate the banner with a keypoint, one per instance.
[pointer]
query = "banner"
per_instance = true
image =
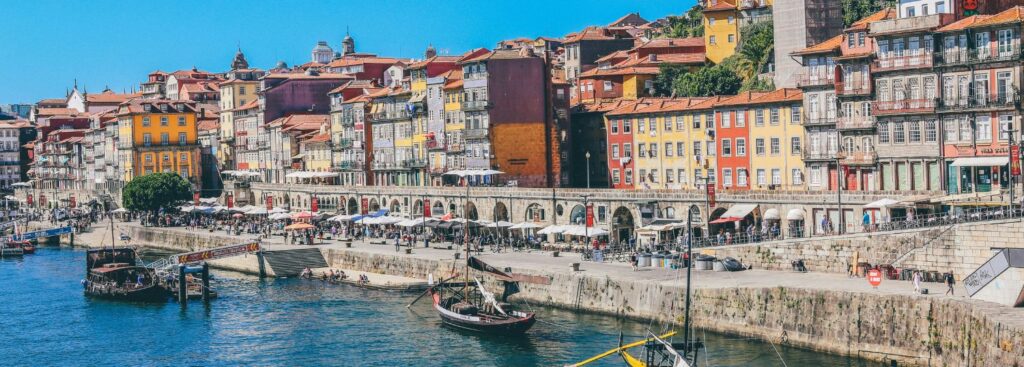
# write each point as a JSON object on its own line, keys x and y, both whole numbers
{"x": 230, "y": 201}
{"x": 314, "y": 204}
{"x": 270, "y": 202}
{"x": 28, "y": 199}
{"x": 365, "y": 203}
{"x": 1015, "y": 160}
{"x": 218, "y": 253}
{"x": 42, "y": 200}
{"x": 195, "y": 198}
{"x": 711, "y": 195}
{"x": 590, "y": 215}
{"x": 72, "y": 202}
{"x": 426, "y": 208}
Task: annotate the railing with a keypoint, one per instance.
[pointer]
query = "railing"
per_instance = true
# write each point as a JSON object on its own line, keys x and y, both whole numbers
{"x": 855, "y": 88}
{"x": 858, "y": 158}
{"x": 988, "y": 100}
{"x": 855, "y": 122}
{"x": 819, "y": 120}
{"x": 435, "y": 145}
{"x": 350, "y": 165}
{"x": 818, "y": 156}
{"x": 456, "y": 148}
{"x": 975, "y": 55}
{"x": 386, "y": 166}
{"x": 922, "y": 60}
{"x": 475, "y": 105}
{"x": 476, "y": 134}
{"x": 815, "y": 78}
{"x": 389, "y": 116}
{"x": 414, "y": 163}
{"x": 344, "y": 143}
{"x": 907, "y": 106}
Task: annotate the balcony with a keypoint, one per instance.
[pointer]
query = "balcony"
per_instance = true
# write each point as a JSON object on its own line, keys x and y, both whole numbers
{"x": 350, "y": 166}
{"x": 854, "y": 88}
{"x": 414, "y": 163}
{"x": 923, "y": 23}
{"x": 434, "y": 144}
{"x": 476, "y": 105}
{"x": 815, "y": 78}
{"x": 957, "y": 57}
{"x": 819, "y": 120}
{"x": 855, "y": 123}
{"x": 988, "y": 101}
{"x": 858, "y": 158}
{"x": 819, "y": 156}
{"x": 904, "y": 107}
{"x": 438, "y": 170}
{"x": 456, "y": 148}
{"x": 476, "y": 134}
{"x": 389, "y": 117}
{"x": 902, "y": 63}
{"x": 343, "y": 143}
{"x": 385, "y": 166}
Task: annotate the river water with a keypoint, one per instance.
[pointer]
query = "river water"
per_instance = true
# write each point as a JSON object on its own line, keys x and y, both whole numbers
{"x": 45, "y": 320}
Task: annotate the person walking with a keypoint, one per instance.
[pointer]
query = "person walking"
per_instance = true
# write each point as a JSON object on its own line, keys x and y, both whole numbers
{"x": 950, "y": 282}
{"x": 917, "y": 281}
{"x": 633, "y": 261}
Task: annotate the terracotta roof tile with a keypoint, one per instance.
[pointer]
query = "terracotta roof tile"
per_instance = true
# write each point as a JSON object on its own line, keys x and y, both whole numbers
{"x": 884, "y": 14}
{"x": 962, "y": 23}
{"x": 1011, "y": 15}
{"x": 720, "y": 6}
{"x": 830, "y": 45}
{"x": 57, "y": 111}
{"x": 110, "y": 97}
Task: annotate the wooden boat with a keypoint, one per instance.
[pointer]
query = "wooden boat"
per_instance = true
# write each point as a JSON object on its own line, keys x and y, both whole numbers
{"x": 9, "y": 250}
{"x": 25, "y": 246}
{"x": 471, "y": 307}
{"x": 113, "y": 274}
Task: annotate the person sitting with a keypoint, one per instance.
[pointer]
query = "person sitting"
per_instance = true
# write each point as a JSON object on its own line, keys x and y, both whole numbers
{"x": 306, "y": 273}
{"x": 341, "y": 275}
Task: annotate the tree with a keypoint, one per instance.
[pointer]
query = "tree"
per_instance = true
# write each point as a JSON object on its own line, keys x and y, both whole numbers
{"x": 154, "y": 191}
{"x": 665, "y": 82}
{"x": 716, "y": 80}
{"x": 756, "y": 50}
{"x": 690, "y": 24}
{"x": 854, "y": 10}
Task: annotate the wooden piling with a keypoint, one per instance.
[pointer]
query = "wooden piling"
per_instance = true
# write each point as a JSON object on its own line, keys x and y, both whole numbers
{"x": 182, "y": 287}
{"x": 206, "y": 282}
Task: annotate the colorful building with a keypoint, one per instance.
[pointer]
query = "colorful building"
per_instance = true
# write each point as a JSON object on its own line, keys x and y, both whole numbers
{"x": 721, "y": 29}
{"x": 158, "y": 136}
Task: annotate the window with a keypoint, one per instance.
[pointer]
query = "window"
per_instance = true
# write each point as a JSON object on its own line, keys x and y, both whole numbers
{"x": 860, "y": 39}
{"x": 697, "y": 178}
{"x": 711, "y": 148}
{"x": 668, "y": 149}
{"x": 607, "y": 86}
{"x": 697, "y": 151}
{"x": 670, "y": 176}
{"x": 732, "y": 19}
{"x": 898, "y": 133}
{"x": 761, "y": 177}
{"x": 741, "y": 177}
{"x": 775, "y": 146}
{"x": 182, "y": 140}
{"x": 794, "y": 145}
{"x": 682, "y": 176}
{"x": 679, "y": 123}
{"x": 931, "y": 133}
{"x": 759, "y": 146}
{"x": 147, "y": 139}
{"x": 797, "y": 177}
{"x": 615, "y": 126}
{"x": 965, "y": 130}
{"x": 627, "y": 126}
{"x": 940, "y": 7}
{"x": 181, "y": 120}
{"x": 915, "y": 132}
{"x": 794, "y": 114}
{"x": 641, "y": 125}
{"x": 668, "y": 123}
{"x": 654, "y": 150}
{"x": 627, "y": 150}
{"x": 1005, "y": 40}
{"x": 654, "y": 176}
{"x": 759, "y": 117}
{"x": 629, "y": 176}
{"x": 775, "y": 116}
{"x": 726, "y": 147}
{"x": 165, "y": 139}
{"x": 984, "y": 128}
{"x": 732, "y": 38}
{"x": 681, "y": 149}
{"x": 726, "y": 119}
{"x": 163, "y": 120}
{"x": 711, "y": 39}
{"x": 615, "y": 176}
{"x": 776, "y": 176}
{"x": 615, "y": 151}
{"x": 727, "y": 177}
{"x": 950, "y": 130}
{"x": 741, "y": 147}
{"x": 145, "y": 121}
{"x": 741, "y": 118}
{"x": 643, "y": 175}
{"x": 696, "y": 121}
{"x": 653, "y": 124}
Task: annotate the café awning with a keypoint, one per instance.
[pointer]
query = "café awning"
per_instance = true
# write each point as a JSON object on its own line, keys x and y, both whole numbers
{"x": 795, "y": 214}
{"x": 739, "y": 211}
{"x": 981, "y": 161}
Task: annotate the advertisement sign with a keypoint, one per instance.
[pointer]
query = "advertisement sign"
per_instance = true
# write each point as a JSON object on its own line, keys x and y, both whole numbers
{"x": 711, "y": 195}
{"x": 426, "y": 208}
{"x": 230, "y": 201}
{"x": 270, "y": 202}
{"x": 72, "y": 202}
{"x": 590, "y": 215}
{"x": 218, "y": 253}
{"x": 1015, "y": 160}
{"x": 364, "y": 206}
{"x": 42, "y": 200}
{"x": 28, "y": 199}
{"x": 874, "y": 277}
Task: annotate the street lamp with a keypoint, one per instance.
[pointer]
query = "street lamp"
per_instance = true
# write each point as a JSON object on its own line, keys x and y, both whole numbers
{"x": 586, "y": 229}
{"x": 588, "y": 168}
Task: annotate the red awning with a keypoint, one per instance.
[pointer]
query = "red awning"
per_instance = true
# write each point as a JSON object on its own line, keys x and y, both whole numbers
{"x": 726, "y": 220}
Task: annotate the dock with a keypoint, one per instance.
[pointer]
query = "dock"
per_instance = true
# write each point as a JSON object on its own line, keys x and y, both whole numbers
{"x": 381, "y": 282}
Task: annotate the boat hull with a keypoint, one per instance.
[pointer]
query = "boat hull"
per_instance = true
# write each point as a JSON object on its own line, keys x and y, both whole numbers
{"x": 486, "y": 325}
{"x": 149, "y": 294}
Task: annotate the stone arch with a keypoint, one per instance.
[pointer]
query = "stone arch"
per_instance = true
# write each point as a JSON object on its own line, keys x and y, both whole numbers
{"x": 453, "y": 208}
{"x": 501, "y": 212}
{"x": 395, "y": 207}
{"x": 535, "y": 213}
{"x": 471, "y": 212}
{"x": 578, "y": 214}
{"x": 373, "y": 205}
{"x": 623, "y": 224}
{"x": 417, "y": 207}
{"x": 714, "y": 228}
{"x": 352, "y": 206}
{"x": 668, "y": 212}
{"x": 437, "y": 210}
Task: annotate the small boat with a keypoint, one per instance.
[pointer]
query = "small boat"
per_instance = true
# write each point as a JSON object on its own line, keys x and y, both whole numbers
{"x": 25, "y": 246}
{"x": 193, "y": 288}
{"x": 113, "y": 274}
{"x": 11, "y": 250}
{"x": 471, "y": 307}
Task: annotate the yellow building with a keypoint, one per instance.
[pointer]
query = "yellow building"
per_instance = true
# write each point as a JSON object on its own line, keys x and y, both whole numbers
{"x": 721, "y": 29}
{"x": 662, "y": 136}
{"x": 316, "y": 151}
{"x": 454, "y": 126}
{"x": 698, "y": 143}
{"x": 776, "y": 140}
{"x": 158, "y": 136}
{"x": 238, "y": 90}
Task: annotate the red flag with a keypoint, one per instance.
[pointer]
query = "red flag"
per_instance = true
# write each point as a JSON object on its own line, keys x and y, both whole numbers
{"x": 314, "y": 204}
{"x": 426, "y": 208}
{"x": 195, "y": 198}
{"x": 231, "y": 201}
{"x": 270, "y": 202}
{"x": 72, "y": 202}
{"x": 28, "y": 200}
{"x": 590, "y": 215}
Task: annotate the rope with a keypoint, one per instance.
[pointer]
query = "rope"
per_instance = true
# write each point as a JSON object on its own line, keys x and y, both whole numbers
{"x": 777, "y": 352}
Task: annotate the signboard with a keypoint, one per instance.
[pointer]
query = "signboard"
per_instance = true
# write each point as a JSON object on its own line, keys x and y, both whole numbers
{"x": 874, "y": 277}
{"x": 44, "y": 233}
{"x": 426, "y": 208}
{"x": 970, "y": 7}
{"x": 711, "y": 195}
{"x": 1015, "y": 160}
{"x": 270, "y": 202}
{"x": 195, "y": 198}
{"x": 987, "y": 272}
{"x": 42, "y": 200}
{"x": 590, "y": 215}
{"x": 365, "y": 206}
{"x": 28, "y": 199}
{"x": 218, "y": 253}
{"x": 314, "y": 204}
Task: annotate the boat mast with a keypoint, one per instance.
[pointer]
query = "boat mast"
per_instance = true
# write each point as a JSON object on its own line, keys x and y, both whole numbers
{"x": 113, "y": 244}
{"x": 689, "y": 267}
{"x": 465, "y": 236}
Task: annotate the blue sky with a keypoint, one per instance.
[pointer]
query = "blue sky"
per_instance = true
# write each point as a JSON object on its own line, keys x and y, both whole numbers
{"x": 47, "y": 44}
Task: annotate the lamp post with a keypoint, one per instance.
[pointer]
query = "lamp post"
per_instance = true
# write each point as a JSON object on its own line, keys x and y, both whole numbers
{"x": 586, "y": 229}
{"x": 588, "y": 168}
{"x": 1009, "y": 165}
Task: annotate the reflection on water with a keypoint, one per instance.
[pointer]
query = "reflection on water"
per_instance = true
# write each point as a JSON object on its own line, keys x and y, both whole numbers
{"x": 292, "y": 322}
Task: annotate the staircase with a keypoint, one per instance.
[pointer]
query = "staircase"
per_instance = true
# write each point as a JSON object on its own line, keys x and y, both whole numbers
{"x": 905, "y": 250}
{"x": 286, "y": 263}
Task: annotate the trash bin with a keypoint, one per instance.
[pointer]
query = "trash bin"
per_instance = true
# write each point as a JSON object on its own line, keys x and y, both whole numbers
{"x": 644, "y": 260}
{"x": 575, "y": 266}
{"x": 718, "y": 266}
{"x": 658, "y": 260}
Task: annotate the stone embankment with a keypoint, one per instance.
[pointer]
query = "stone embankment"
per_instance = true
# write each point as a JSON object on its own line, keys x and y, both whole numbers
{"x": 913, "y": 329}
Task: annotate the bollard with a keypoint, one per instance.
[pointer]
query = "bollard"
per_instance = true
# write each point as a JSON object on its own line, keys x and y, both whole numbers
{"x": 263, "y": 267}
{"x": 72, "y": 239}
{"x": 206, "y": 282}
{"x": 182, "y": 287}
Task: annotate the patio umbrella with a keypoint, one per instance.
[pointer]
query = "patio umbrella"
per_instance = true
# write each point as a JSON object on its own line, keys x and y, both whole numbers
{"x": 119, "y": 210}
{"x": 237, "y": 215}
{"x": 187, "y": 208}
{"x": 280, "y": 216}
{"x": 257, "y": 211}
{"x": 298, "y": 227}
{"x": 552, "y": 230}
{"x": 278, "y": 210}
{"x": 302, "y": 215}
{"x": 525, "y": 225}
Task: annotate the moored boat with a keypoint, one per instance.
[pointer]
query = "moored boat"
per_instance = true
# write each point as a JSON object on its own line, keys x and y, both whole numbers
{"x": 113, "y": 274}
{"x": 26, "y": 246}
{"x": 490, "y": 319}
{"x": 8, "y": 249}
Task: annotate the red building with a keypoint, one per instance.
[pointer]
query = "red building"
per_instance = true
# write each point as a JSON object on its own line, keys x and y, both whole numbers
{"x": 727, "y": 132}
{"x": 619, "y": 127}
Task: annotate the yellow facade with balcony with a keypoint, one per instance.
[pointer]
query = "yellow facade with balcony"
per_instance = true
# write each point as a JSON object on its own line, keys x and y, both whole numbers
{"x": 154, "y": 140}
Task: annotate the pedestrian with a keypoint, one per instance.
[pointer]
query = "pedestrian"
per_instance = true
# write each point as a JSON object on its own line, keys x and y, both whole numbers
{"x": 950, "y": 282}
{"x": 917, "y": 281}
{"x": 867, "y": 222}
{"x": 633, "y": 260}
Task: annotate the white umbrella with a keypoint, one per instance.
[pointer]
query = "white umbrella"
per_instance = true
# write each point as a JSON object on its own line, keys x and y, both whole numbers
{"x": 187, "y": 208}
{"x": 119, "y": 210}
{"x": 499, "y": 224}
{"x": 280, "y": 216}
{"x": 278, "y": 210}
{"x": 525, "y": 225}
{"x": 552, "y": 230}
{"x": 257, "y": 211}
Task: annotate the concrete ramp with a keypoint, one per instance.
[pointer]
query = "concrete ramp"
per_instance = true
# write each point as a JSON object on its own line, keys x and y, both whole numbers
{"x": 1000, "y": 279}
{"x": 287, "y": 263}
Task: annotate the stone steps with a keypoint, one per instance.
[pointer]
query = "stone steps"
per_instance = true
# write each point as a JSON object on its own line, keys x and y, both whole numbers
{"x": 287, "y": 263}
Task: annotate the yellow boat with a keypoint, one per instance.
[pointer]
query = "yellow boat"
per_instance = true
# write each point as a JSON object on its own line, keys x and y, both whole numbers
{"x": 678, "y": 361}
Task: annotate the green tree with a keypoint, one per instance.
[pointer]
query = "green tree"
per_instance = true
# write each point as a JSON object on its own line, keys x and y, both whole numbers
{"x": 154, "y": 191}
{"x": 708, "y": 81}
{"x": 756, "y": 50}
{"x": 668, "y": 75}
{"x": 690, "y": 24}
{"x": 854, "y": 10}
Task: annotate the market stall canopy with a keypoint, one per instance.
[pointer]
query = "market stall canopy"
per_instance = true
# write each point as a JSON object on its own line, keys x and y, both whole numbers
{"x": 302, "y": 215}
{"x": 659, "y": 225}
{"x": 311, "y": 174}
{"x": 525, "y": 225}
{"x": 552, "y": 230}
{"x": 980, "y": 161}
{"x": 795, "y": 214}
{"x": 473, "y": 172}
{"x": 772, "y": 214}
{"x": 187, "y": 208}
{"x": 21, "y": 184}
{"x": 499, "y": 224}
{"x": 883, "y": 203}
{"x": 577, "y": 230}
{"x": 257, "y": 211}
{"x": 280, "y": 216}
{"x": 735, "y": 213}
{"x": 343, "y": 217}
{"x": 415, "y": 222}
{"x": 298, "y": 227}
